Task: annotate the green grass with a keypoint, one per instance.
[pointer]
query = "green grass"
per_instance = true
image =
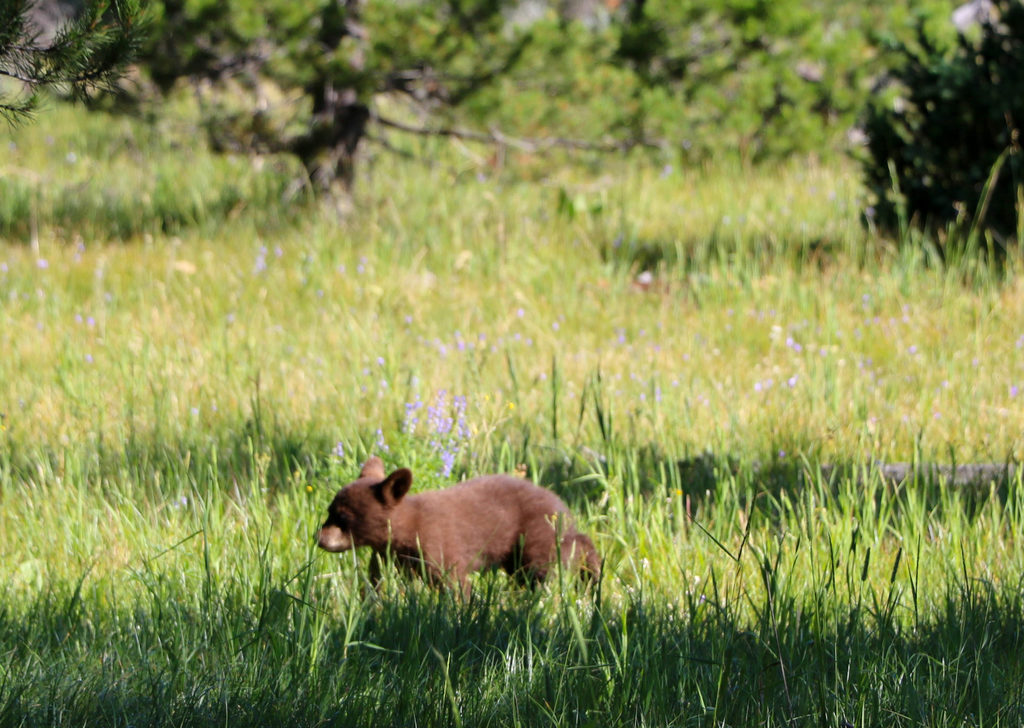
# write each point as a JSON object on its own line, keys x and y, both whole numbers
{"x": 181, "y": 399}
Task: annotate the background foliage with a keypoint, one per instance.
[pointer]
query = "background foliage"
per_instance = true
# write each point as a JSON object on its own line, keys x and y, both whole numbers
{"x": 695, "y": 80}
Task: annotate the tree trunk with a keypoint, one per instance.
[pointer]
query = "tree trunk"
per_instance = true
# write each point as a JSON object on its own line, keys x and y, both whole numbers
{"x": 329, "y": 150}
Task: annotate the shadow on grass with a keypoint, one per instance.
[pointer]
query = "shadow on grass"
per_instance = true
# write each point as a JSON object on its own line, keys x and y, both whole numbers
{"x": 647, "y": 472}
{"x": 233, "y": 458}
{"x": 695, "y": 255}
{"x": 511, "y": 657}
{"x": 279, "y": 459}
{"x": 313, "y": 652}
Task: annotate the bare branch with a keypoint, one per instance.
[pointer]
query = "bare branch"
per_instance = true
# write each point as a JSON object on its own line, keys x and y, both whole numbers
{"x": 526, "y": 144}
{"x": 28, "y": 81}
{"x": 373, "y": 138}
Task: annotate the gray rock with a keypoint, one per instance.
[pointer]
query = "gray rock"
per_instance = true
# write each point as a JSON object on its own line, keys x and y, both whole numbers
{"x": 47, "y": 16}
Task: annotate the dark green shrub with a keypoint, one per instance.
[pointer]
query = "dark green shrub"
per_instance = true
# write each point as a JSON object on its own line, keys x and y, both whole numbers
{"x": 944, "y": 151}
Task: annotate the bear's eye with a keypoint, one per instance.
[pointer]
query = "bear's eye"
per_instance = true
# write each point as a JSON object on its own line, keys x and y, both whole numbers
{"x": 342, "y": 520}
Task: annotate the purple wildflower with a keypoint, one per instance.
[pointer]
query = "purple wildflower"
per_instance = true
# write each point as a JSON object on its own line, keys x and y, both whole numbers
{"x": 411, "y": 416}
{"x": 447, "y": 462}
{"x": 261, "y": 261}
{"x": 460, "y": 415}
{"x": 445, "y": 426}
{"x": 437, "y": 420}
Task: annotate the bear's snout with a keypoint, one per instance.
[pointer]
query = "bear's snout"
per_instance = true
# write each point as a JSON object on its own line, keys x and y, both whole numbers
{"x": 333, "y": 539}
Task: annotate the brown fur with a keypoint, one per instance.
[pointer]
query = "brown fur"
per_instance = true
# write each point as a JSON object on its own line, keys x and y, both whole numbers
{"x": 494, "y": 520}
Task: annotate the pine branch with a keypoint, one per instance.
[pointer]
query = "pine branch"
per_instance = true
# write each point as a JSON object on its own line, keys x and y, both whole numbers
{"x": 88, "y": 53}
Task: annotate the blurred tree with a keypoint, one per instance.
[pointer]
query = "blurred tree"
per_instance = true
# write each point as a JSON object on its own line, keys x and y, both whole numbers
{"x": 694, "y": 78}
{"x": 299, "y": 77}
{"x": 89, "y": 52}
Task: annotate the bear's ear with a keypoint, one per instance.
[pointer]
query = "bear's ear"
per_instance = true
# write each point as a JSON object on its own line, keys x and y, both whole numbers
{"x": 373, "y": 468}
{"x": 394, "y": 488}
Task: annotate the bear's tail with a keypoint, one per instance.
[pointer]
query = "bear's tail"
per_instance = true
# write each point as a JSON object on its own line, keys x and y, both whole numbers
{"x": 583, "y": 554}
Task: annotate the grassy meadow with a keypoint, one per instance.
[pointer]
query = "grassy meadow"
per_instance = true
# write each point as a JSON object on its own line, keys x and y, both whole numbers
{"x": 195, "y": 356}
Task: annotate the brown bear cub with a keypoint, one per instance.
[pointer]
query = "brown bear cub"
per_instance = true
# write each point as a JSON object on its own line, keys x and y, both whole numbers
{"x": 494, "y": 520}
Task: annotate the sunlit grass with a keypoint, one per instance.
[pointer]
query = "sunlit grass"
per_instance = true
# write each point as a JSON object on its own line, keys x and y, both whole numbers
{"x": 482, "y": 288}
